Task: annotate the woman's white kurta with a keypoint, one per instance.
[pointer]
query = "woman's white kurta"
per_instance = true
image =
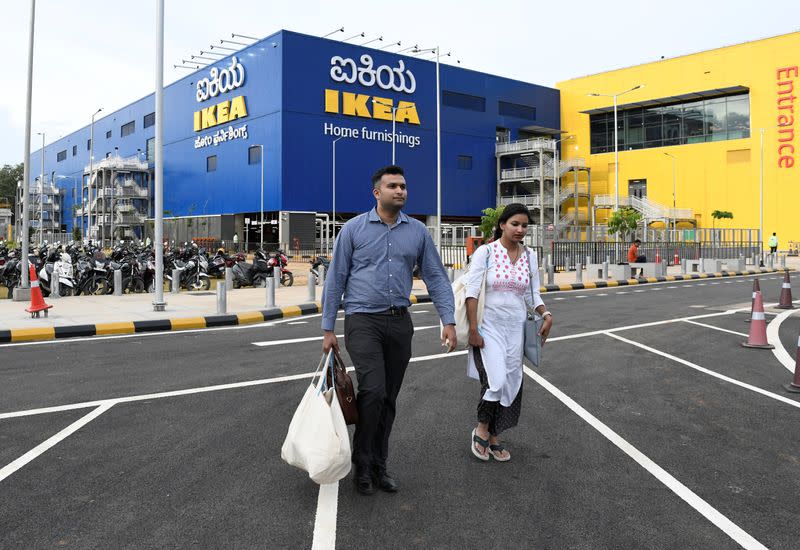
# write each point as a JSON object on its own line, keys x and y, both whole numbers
{"x": 508, "y": 296}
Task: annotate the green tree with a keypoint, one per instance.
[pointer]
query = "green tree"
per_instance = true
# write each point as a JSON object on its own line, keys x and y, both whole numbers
{"x": 489, "y": 221}
{"x": 9, "y": 176}
{"x": 624, "y": 221}
{"x": 76, "y": 233}
{"x": 720, "y": 215}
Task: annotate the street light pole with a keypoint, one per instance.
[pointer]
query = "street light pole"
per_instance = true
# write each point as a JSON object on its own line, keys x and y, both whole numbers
{"x": 41, "y": 193}
{"x": 333, "y": 172}
{"x": 25, "y": 282}
{"x": 91, "y": 169}
{"x": 158, "y": 302}
{"x": 394, "y": 122}
{"x": 761, "y": 200}
{"x": 674, "y": 220}
{"x": 261, "y": 155}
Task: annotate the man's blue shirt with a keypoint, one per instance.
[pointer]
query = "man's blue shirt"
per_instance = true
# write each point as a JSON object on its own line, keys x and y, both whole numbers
{"x": 373, "y": 266}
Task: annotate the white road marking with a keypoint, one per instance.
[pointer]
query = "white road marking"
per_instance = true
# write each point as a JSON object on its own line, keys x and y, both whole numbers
{"x": 672, "y": 287}
{"x": 701, "y": 284}
{"x": 691, "y": 498}
{"x": 558, "y": 298}
{"x": 713, "y": 283}
{"x": 696, "y": 367}
{"x": 603, "y": 294}
{"x": 581, "y": 296}
{"x": 718, "y": 328}
{"x": 52, "y": 441}
{"x": 268, "y": 343}
{"x": 325, "y": 521}
{"x": 640, "y": 290}
{"x": 421, "y": 311}
{"x": 298, "y": 323}
{"x": 340, "y": 318}
{"x": 697, "y": 306}
{"x": 773, "y": 337}
{"x": 621, "y": 292}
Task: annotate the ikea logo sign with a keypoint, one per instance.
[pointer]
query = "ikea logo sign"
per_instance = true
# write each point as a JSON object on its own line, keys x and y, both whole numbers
{"x": 358, "y": 105}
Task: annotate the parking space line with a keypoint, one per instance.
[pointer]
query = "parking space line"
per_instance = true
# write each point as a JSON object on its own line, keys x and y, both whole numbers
{"x": 773, "y": 337}
{"x": 325, "y": 521}
{"x": 52, "y": 441}
{"x": 687, "y": 495}
{"x": 717, "y": 328}
{"x": 697, "y": 367}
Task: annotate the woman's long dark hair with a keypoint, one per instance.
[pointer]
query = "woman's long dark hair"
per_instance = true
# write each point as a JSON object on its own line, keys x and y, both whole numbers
{"x": 508, "y": 212}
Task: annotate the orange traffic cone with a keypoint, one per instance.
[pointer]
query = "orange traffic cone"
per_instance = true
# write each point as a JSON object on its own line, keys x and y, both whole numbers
{"x": 658, "y": 257}
{"x": 37, "y": 301}
{"x": 786, "y": 293}
{"x": 756, "y": 288}
{"x": 794, "y": 385}
{"x": 758, "y": 326}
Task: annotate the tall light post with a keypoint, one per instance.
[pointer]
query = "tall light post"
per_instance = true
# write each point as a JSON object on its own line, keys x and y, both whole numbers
{"x": 41, "y": 193}
{"x": 557, "y": 181}
{"x": 394, "y": 121}
{"x": 26, "y": 178}
{"x": 333, "y": 191}
{"x": 261, "y": 158}
{"x": 674, "y": 221}
{"x": 438, "y": 150}
{"x": 761, "y": 200}
{"x": 88, "y": 233}
{"x": 158, "y": 301}
{"x": 616, "y": 140}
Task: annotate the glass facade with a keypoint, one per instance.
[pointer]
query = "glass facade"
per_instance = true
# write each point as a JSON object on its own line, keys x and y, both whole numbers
{"x": 713, "y": 119}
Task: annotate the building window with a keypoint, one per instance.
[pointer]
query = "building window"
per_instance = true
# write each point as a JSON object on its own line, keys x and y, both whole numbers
{"x": 464, "y": 101}
{"x": 254, "y": 155}
{"x": 464, "y": 162}
{"x": 149, "y": 120}
{"x": 108, "y": 134}
{"x": 504, "y": 108}
{"x": 128, "y": 128}
{"x": 150, "y": 149}
{"x": 61, "y": 155}
{"x": 697, "y": 121}
{"x": 88, "y": 144}
{"x": 74, "y": 150}
{"x": 211, "y": 163}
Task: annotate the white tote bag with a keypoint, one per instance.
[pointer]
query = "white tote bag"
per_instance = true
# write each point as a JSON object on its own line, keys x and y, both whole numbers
{"x": 460, "y": 302}
{"x": 317, "y": 441}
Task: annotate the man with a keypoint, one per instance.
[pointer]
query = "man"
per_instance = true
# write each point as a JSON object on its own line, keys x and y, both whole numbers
{"x": 773, "y": 244}
{"x": 634, "y": 256}
{"x": 372, "y": 265}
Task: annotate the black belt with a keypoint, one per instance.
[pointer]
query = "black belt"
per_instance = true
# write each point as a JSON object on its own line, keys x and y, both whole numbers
{"x": 394, "y": 310}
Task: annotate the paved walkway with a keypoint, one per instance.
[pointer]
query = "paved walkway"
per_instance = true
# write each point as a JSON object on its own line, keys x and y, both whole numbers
{"x": 89, "y": 310}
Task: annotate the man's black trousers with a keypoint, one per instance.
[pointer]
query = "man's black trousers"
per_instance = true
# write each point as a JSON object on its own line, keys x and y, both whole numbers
{"x": 380, "y": 346}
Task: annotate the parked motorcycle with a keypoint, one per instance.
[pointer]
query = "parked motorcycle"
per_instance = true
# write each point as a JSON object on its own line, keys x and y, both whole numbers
{"x": 279, "y": 260}
{"x": 247, "y": 274}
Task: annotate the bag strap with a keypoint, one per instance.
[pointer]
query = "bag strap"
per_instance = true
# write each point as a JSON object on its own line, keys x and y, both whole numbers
{"x": 530, "y": 275}
{"x": 325, "y": 361}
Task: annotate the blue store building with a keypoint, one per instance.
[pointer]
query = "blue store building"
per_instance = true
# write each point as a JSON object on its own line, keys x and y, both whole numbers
{"x": 295, "y": 95}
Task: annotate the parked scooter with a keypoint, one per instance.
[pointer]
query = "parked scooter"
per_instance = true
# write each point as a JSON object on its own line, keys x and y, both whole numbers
{"x": 255, "y": 274}
{"x": 61, "y": 270}
{"x": 316, "y": 263}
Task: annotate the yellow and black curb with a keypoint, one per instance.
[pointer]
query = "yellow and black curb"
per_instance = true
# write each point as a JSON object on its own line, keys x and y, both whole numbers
{"x": 161, "y": 325}
{"x": 649, "y": 280}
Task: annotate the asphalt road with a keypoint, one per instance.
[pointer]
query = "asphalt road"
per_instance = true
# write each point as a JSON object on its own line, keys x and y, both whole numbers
{"x": 688, "y": 442}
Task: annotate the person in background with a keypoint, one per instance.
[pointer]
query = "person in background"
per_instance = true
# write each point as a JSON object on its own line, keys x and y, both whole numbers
{"x": 773, "y": 244}
{"x": 634, "y": 257}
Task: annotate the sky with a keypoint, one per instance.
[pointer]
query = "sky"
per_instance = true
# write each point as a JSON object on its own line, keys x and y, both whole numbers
{"x": 101, "y": 53}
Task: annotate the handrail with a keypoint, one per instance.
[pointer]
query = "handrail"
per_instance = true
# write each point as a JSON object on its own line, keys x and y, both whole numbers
{"x": 524, "y": 145}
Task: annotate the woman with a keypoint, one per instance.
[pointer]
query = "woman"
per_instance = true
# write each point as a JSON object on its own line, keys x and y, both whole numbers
{"x": 496, "y": 346}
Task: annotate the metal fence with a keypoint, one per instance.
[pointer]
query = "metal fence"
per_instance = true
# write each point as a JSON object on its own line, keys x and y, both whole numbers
{"x": 565, "y": 255}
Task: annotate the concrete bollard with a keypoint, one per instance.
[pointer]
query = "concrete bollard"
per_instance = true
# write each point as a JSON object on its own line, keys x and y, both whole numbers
{"x": 270, "y": 284}
{"x": 702, "y": 266}
{"x": 321, "y": 278}
{"x": 117, "y": 282}
{"x": 551, "y": 274}
{"x": 783, "y": 264}
{"x": 605, "y": 270}
{"x": 683, "y": 266}
{"x": 578, "y": 273}
{"x": 772, "y": 261}
{"x": 588, "y": 260}
{"x": 608, "y": 259}
{"x": 312, "y": 288}
{"x": 222, "y": 298}
{"x": 55, "y": 287}
{"x": 228, "y": 278}
{"x": 451, "y": 276}
{"x": 176, "y": 281}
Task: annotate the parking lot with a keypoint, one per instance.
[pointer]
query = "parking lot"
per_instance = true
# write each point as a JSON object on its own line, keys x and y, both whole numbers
{"x": 647, "y": 426}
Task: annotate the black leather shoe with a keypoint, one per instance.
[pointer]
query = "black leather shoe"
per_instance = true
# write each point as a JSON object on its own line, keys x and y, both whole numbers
{"x": 363, "y": 482}
{"x": 386, "y": 482}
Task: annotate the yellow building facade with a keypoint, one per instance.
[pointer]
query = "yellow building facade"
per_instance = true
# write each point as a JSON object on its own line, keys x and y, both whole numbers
{"x": 695, "y": 125}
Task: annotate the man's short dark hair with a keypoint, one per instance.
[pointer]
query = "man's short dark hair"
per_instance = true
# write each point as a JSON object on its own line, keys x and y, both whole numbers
{"x": 637, "y": 241}
{"x": 392, "y": 169}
